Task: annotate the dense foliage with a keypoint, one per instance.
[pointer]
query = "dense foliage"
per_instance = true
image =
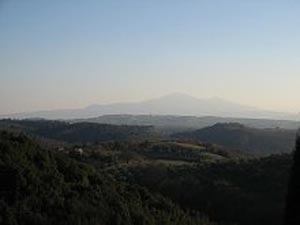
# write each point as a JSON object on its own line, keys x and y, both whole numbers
{"x": 82, "y": 133}
{"x": 255, "y": 141}
{"x": 243, "y": 192}
{"x": 186, "y": 151}
{"x": 111, "y": 175}
{"x": 230, "y": 188}
{"x": 292, "y": 210}
{"x": 41, "y": 187}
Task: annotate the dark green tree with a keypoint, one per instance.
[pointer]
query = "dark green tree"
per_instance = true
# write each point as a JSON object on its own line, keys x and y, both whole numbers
{"x": 293, "y": 199}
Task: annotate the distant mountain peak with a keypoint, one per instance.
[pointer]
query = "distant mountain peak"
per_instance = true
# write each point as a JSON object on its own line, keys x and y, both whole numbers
{"x": 217, "y": 98}
{"x": 179, "y": 96}
{"x": 176, "y": 103}
{"x": 175, "y": 95}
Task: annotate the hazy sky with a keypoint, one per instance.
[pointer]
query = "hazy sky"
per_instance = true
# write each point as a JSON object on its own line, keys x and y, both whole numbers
{"x": 66, "y": 54}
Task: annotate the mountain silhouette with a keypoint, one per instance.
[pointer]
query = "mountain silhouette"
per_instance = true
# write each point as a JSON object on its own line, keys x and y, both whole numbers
{"x": 172, "y": 104}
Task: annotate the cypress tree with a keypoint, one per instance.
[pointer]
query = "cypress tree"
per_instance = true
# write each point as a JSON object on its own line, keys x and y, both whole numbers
{"x": 292, "y": 216}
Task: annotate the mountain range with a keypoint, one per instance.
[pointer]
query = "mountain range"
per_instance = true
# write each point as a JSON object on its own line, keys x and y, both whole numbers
{"x": 172, "y": 104}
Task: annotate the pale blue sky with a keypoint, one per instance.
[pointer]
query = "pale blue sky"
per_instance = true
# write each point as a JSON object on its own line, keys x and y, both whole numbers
{"x": 66, "y": 54}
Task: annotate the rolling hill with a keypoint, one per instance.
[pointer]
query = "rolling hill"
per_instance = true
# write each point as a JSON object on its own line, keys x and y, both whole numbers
{"x": 40, "y": 187}
{"x": 78, "y": 133}
{"x": 237, "y": 136}
{"x": 171, "y": 122}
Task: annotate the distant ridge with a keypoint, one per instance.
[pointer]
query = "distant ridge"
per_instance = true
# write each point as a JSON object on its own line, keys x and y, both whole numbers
{"x": 171, "y": 122}
{"x": 172, "y": 104}
{"x": 237, "y": 136}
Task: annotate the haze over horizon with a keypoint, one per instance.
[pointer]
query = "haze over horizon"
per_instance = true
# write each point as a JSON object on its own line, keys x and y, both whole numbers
{"x": 174, "y": 104}
{"x": 66, "y": 54}
{"x": 174, "y": 96}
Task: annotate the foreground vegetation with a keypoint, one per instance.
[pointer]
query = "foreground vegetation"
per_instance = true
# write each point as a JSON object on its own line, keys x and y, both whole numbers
{"x": 232, "y": 192}
{"x": 292, "y": 216}
{"x": 40, "y": 187}
{"x": 132, "y": 178}
{"x": 229, "y": 188}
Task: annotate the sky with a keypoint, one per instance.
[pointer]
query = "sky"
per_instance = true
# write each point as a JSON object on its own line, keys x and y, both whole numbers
{"x": 70, "y": 54}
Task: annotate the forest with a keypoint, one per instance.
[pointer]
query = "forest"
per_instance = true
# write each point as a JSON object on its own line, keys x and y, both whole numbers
{"x": 60, "y": 173}
{"x": 40, "y": 187}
